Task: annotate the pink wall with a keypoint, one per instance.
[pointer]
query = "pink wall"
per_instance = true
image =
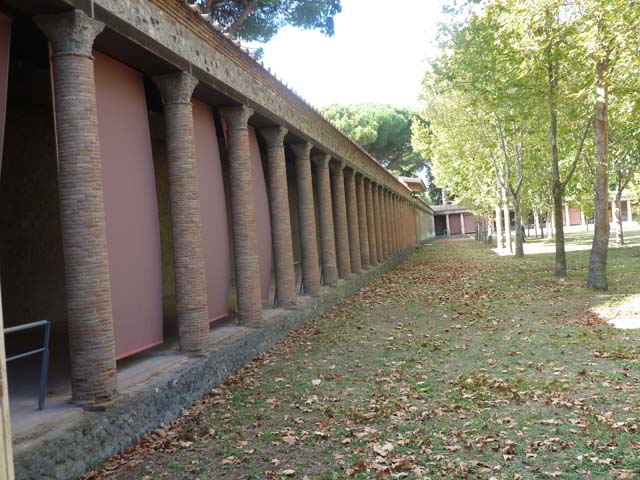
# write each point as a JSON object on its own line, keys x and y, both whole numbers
{"x": 265, "y": 250}
{"x": 133, "y": 235}
{"x": 469, "y": 223}
{"x": 5, "y": 42}
{"x": 455, "y": 225}
{"x": 574, "y": 216}
{"x": 213, "y": 211}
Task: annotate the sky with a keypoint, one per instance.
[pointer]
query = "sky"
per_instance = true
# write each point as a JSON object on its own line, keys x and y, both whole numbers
{"x": 378, "y": 53}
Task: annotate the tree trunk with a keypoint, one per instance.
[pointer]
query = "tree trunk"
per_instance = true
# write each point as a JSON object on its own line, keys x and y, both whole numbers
{"x": 618, "y": 217}
{"x": 557, "y": 188}
{"x": 507, "y": 227}
{"x": 499, "y": 235}
{"x": 550, "y": 221}
{"x": 536, "y": 222}
{"x": 518, "y": 226}
{"x": 598, "y": 260}
{"x": 561, "y": 257}
{"x": 507, "y": 221}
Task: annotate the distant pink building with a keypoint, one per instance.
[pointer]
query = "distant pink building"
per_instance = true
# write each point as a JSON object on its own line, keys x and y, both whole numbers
{"x": 453, "y": 220}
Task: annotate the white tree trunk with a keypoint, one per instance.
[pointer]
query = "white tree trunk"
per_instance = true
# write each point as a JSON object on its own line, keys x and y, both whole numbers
{"x": 507, "y": 221}
{"x": 499, "y": 235}
{"x": 616, "y": 207}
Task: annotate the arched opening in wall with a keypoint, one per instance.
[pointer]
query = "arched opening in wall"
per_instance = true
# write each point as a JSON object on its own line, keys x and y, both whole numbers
{"x": 31, "y": 257}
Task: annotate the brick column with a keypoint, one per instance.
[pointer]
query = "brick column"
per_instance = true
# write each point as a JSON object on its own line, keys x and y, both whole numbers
{"x": 325, "y": 209}
{"x": 392, "y": 223}
{"x": 307, "y": 216}
{"x": 387, "y": 214}
{"x": 363, "y": 228}
{"x": 396, "y": 224}
{"x": 405, "y": 218}
{"x": 398, "y": 215}
{"x": 413, "y": 227}
{"x": 400, "y": 207}
{"x": 371, "y": 224}
{"x": 416, "y": 222}
{"x": 340, "y": 219}
{"x": 243, "y": 216}
{"x": 383, "y": 221}
{"x": 280, "y": 220}
{"x": 375, "y": 196}
{"x": 352, "y": 220}
{"x": 186, "y": 224}
{"x": 401, "y": 225}
{"x": 88, "y": 287}
{"x": 401, "y": 222}
{"x": 407, "y": 225}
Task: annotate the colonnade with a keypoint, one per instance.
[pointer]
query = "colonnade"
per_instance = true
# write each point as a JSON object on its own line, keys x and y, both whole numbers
{"x": 361, "y": 222}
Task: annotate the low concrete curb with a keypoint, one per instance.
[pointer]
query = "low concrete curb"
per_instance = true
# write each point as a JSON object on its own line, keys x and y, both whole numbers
{"x": 95, "y": 436}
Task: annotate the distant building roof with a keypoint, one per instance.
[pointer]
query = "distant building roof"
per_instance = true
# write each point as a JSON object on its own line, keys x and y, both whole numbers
{"x": 450, "y": 208}
{"x": 414, "y": 184}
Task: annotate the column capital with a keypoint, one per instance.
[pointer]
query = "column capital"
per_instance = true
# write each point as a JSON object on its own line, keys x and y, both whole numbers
{"x": 367, "y": 180}
{"x": 322, "y": 160}
{"x": 350, "y": 173}
{"x": 70, "y": 33}
{"x": 302, "y": 151}
{"x": 337, "y": 167}
{"x": 274, "y": 136}
{"x": 176, "y": 88}
{"x": 236, "y": 117}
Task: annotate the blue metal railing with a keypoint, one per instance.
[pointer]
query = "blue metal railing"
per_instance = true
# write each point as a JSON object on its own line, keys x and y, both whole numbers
{"x": 44, "y": 369}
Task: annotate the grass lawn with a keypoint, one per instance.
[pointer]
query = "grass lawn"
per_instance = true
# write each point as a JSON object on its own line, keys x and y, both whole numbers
{"x": 460, "y": 364}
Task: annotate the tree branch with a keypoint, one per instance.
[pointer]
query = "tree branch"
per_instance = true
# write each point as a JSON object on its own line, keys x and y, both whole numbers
{"x": 574, "y": 164}
{"x": 248, "y": 10}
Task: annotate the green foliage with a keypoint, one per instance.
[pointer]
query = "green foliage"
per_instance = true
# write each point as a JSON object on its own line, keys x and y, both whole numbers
{"x": 385, "y": 132}
{"x": 260, "y": 20}
{"x": 506, "y": 69}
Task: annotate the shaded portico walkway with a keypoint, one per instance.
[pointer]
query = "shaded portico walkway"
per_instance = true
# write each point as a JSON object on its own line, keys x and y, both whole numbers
{"x": 458, "y": 364}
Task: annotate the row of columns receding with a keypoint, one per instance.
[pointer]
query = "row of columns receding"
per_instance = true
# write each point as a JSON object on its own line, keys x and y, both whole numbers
{"x": 361, "y": 223}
